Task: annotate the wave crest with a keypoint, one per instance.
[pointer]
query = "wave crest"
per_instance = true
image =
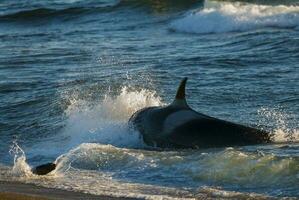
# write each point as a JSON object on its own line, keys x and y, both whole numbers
{"x": 230, "y": 17}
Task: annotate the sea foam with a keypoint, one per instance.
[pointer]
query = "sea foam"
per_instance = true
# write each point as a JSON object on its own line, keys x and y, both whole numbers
{"x": 221, "y": 17}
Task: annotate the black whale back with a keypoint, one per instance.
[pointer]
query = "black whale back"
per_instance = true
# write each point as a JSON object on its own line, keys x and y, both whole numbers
{"x": 179, "y": 126}
{"x": 211, "y": 132}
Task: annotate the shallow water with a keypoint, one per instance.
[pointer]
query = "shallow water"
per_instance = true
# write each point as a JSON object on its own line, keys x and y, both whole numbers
{"x": 73, "y": 72}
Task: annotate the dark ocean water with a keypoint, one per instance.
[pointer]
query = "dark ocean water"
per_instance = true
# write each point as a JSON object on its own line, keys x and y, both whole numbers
{"x": 72, "y": 72}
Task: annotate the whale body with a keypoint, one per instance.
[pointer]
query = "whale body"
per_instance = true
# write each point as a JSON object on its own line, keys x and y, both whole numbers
{"x": 179, "y": 126}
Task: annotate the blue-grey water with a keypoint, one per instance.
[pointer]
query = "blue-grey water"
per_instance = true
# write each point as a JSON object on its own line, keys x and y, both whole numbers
{"x": 73, "y": 71}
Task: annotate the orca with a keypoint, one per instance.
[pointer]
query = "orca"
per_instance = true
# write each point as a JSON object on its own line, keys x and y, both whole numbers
{"x": 179, "y": 126}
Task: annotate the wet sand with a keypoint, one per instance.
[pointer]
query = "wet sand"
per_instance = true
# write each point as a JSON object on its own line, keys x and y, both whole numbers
{"x": 22, "y": 191}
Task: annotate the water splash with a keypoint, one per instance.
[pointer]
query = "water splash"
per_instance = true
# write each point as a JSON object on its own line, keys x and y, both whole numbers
{"x": 220, "y": 17}
{"x": 105, "y": 121}
{"x": 102, "y": 121}
{"x": 20, "y": 167}
{"x": 283, "y": 129}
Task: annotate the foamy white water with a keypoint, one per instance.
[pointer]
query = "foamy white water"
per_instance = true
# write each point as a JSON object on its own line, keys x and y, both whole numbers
{"x": 106, "y": 120}
{"x": 221, "y": 17}
{"x": 103, "y": 121}
{"x": 20, "y": 167}
{"x": 108, "y": 170}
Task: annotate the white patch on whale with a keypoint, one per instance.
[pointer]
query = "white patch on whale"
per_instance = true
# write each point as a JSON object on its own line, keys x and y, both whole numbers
{"x": 177, "y": 119}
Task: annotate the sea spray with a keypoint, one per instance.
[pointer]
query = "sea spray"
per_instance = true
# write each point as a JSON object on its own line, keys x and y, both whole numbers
{"x": 102, "y": 121}
{"x": 283, "y": 129}
{"x": 105, "y": 121}
{"x": 20, "y": 167}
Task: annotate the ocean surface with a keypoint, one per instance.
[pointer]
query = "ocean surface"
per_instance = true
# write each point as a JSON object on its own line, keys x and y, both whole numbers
{"x": 72, "y": 72}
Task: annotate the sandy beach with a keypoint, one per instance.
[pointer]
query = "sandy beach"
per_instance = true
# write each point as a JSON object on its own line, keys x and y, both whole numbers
{"x": 22, "y": 191}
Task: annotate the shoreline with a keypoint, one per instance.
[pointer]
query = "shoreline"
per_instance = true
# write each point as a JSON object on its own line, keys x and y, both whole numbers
{"x": 27, "y": 191}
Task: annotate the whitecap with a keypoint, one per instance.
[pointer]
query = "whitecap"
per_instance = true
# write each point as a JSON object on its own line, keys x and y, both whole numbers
{"x": 224, "y": 17}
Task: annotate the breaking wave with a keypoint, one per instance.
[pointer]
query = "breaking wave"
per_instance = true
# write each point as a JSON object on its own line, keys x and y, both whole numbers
{"x": 101, "y": 121}
{"x": 221, "y": 17}
{"x": 108, "y": 170}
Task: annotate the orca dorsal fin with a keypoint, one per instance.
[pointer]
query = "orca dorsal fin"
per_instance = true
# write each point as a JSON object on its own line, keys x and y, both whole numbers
{"x": 180, "y": 99}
